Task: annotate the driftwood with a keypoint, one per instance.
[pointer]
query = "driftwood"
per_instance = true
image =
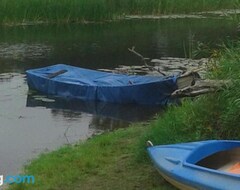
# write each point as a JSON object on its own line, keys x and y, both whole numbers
{"x": 200, "y": 87}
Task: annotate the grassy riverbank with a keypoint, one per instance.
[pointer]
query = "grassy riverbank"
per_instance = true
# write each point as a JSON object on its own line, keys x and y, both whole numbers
{"x": 97, "y": 10}
{"x": 118, "y": 160}
{"x": 102, "y": 163}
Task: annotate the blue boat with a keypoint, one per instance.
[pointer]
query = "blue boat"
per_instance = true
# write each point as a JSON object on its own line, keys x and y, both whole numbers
{"x": 85, "y": 84}
{"x": 203, "y": 165}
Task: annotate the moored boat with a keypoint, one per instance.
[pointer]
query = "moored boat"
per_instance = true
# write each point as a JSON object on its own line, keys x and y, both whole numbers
{"x": 85, "y": 84}
{"x": 207, "y": 165}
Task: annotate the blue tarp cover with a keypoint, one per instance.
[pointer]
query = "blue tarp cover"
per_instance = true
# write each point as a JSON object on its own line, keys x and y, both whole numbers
{"x": 94, "y": 85}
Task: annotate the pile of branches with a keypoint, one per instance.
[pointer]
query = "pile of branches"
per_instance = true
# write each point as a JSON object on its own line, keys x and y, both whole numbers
{"x": 190, "y": 84}
{"x": 191, "y": 79}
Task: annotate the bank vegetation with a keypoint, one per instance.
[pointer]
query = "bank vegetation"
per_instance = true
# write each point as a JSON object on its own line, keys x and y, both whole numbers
{"x": 65, "y": 11}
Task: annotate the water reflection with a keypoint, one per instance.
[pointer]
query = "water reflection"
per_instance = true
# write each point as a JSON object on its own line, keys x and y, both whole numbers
{"x": 23, "y": 51}
{"x": 113, "y": 112}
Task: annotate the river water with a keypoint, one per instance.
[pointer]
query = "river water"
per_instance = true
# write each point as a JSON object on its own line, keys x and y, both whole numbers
{"x": 31, "y": 123}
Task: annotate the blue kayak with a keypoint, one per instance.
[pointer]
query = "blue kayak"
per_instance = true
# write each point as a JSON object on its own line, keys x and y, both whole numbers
{"x": 203, "y": 165}
{"x": 85, "y": 84}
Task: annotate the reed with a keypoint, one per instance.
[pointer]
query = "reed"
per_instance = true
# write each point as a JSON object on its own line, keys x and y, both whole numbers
{"x": 12, "y": 11}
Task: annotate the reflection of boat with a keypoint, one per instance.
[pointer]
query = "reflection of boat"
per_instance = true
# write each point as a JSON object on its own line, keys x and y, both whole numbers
{"x": 73, "y": 82}
{"x": 128, "y": 112}
{"x": 199, "y": 165}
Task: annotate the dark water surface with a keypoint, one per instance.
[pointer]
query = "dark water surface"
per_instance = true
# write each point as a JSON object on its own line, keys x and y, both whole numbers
{"x": 31, "y": 123}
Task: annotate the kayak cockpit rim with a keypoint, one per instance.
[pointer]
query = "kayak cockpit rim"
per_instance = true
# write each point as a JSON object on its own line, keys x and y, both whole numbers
{"x": 204, "y": 151}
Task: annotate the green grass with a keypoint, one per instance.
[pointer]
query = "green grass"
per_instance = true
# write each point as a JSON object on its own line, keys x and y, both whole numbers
{"x": 12, "y": 11}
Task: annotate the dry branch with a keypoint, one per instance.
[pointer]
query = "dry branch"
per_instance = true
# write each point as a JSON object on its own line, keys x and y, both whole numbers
{"x": 139, "y": 55}
{"x": 144, "y": 59}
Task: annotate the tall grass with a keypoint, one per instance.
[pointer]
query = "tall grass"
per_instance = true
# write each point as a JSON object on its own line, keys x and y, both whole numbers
{"x": 12, "y": 11}
{"x": 214, "y": 116}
